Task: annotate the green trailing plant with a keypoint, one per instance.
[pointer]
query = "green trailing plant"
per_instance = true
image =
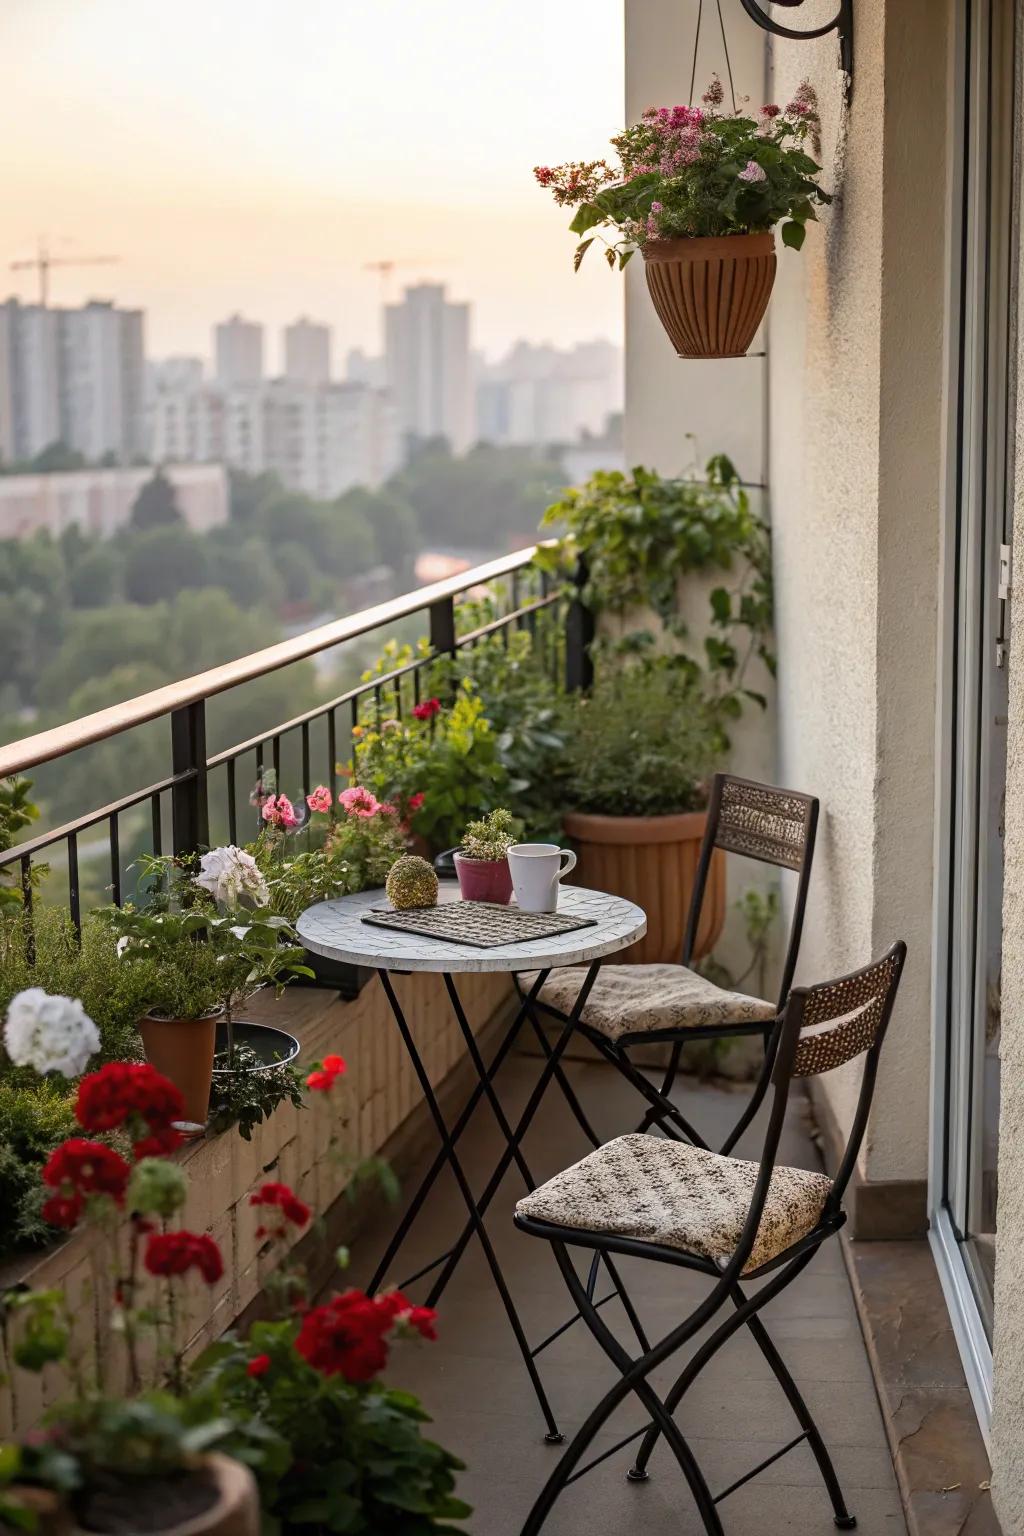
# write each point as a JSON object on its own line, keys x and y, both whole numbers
{"x": 490, "y": 838}
{"x": 17, "y": 811}
{"x": 641, "y": 536}
{"x": 643, "y": 742}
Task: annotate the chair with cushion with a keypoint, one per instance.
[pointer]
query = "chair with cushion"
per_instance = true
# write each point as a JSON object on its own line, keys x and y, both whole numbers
{"x": 642, "y": 1005}
{"x": 646, "y": 1197}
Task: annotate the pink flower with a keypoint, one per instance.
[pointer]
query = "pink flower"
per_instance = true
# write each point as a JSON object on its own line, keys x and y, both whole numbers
{"x": 752, "y": 172}
{"x": 320, "y": 800}
{"x": 770, "y": 109}
{"x": 657, "y": 207}
{"x": 358, "y": 801}
{"x": 715, "y": 93}
{"x": 279, "y": 811}
{"x": 544, "y": 174}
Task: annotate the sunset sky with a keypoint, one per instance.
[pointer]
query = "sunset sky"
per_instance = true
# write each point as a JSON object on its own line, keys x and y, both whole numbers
{"x": 254, "y": 154}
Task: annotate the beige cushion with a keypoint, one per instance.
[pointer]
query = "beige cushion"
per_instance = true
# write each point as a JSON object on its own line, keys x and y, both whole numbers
{"x": 631, "y": 999}
{"x": 660, "y": 1191}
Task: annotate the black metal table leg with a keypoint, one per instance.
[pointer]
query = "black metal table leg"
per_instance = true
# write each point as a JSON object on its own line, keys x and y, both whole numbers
{"x": 547, "y": 1075}
{"x": 475, "y": 1223}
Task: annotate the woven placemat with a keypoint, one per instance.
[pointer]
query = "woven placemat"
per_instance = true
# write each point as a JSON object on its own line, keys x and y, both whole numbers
{"x": 481, "y": 924}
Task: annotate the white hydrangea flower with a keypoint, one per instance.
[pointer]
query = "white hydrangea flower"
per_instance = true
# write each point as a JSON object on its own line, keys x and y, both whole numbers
{"x": 230, "y": 874}
{"x": 51, "y": 1034}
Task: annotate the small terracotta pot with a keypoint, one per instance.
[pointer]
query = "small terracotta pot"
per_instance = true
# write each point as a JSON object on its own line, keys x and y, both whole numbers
{"x": 711, "y": 293}
{"x": 182, "y": 1049}
{"x": 652, "y": 861}
{"x": 484, "y": 879}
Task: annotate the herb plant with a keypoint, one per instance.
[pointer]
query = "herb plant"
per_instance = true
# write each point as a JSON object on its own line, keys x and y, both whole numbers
{"x": 490, "y": 838}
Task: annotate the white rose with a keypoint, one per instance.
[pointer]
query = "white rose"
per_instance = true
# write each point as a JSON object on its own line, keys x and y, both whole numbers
{"x": 51, "y": 1034}
{"x": 230, "y": 874}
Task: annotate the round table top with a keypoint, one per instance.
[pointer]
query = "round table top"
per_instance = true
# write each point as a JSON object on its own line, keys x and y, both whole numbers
{"x": 334, "y": 929}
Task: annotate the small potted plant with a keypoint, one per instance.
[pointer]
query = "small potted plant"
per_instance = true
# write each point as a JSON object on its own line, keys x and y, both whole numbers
{"x": 698, "y": 192}
{"x": 481, "y": 862}
{"x": 640, "y": 749}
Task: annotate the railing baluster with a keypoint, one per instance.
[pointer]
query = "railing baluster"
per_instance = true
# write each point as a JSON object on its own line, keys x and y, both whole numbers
{"x": 353, "y": 738}
{"x": 377, "y": 706}
{"x": 230, "y": 766}
{"x": 115, "y": 861}
{"x": 157, "y": 825}
{"x": 398, "y": 698}
{"x": 74, "y": 893}
{"x": 190, "y": 815}
{"x": 579, "y": 636}
{"x": 332, "y": 754}
{"x": 26, "y": 897}
{"x": 275, "y": 744}
{"x": 306, "y": 784}
{"x": 442, "y": 626}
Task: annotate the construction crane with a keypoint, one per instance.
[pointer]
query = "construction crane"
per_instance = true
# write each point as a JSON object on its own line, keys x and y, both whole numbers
{"x": 42, "y": 261}
{"x": 385, "y": 268}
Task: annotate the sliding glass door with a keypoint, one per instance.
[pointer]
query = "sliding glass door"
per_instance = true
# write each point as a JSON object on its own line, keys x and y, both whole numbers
{"x": 976, "y": 617}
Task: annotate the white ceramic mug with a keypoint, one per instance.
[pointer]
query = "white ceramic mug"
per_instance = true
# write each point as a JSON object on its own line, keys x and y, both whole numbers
{"x": 536, "y": 870}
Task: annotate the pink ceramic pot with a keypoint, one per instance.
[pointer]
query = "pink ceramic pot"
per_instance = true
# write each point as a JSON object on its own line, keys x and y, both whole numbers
{"x": 484, "y": 879}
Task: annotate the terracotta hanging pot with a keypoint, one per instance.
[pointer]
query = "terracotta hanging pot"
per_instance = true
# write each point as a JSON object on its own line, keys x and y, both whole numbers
{"x": 711, "y": 293}
{"x": 652, "y": 861}
{"x": 182, "y": 1049}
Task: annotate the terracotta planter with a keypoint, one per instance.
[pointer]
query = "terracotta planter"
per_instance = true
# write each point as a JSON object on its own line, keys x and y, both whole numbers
{"x": 711, "y": 294}
{"x": 484, "y": 879}
{"x": 651, "y": 860}
{"x": 182, "y": 1049}
{"x": 234, "y": 1511}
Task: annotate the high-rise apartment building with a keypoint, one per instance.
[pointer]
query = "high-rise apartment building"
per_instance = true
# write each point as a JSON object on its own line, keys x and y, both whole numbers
{"x": 238, "y": 350}
{"x": 321, "y": 439}
{"x": 307, "y": 352}
{"x": 428, "y": 366}
{"x": 543, "y": 395}
{"x": 74, "y": 376}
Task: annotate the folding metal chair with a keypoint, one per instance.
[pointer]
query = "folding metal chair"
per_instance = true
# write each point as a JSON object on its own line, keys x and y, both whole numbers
{"x": 655, "y": 1198}
{"x": 635, "y": 1005}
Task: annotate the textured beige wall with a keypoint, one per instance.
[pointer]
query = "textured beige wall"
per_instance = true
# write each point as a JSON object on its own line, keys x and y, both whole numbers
{"x": 855, "y": 337}
{"x": 1008, "y": 1352}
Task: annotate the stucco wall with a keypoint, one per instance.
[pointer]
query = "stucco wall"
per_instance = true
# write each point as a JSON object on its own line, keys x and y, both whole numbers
{"x": 855, "y": 342}
{"x": 1007, "y": 1430}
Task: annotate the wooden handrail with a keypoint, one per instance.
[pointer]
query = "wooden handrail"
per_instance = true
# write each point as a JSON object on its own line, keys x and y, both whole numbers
{"x": 61, "y": 739}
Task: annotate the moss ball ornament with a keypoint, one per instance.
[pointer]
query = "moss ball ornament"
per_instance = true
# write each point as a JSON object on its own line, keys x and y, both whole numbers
{"x": 411, "y": 882}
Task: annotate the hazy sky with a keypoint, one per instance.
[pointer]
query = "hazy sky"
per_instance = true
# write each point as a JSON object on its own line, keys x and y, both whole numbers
{"x": 253, "y": 154}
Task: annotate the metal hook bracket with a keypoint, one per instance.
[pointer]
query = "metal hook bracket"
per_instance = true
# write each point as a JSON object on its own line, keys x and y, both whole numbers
{"x": 841, "y": 23}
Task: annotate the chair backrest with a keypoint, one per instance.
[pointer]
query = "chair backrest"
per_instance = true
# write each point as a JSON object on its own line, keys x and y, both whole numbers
{"x": 821, "y": 1028}
{"x": 826, "y": 1025}
{"x": 759, "y": 821}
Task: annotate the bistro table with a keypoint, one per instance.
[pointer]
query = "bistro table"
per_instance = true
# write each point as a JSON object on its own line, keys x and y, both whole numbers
{"x": 335, "y": 929}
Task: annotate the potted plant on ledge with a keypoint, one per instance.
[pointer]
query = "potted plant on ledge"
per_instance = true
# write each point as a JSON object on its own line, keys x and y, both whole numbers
{"x": 640, "y": 749}
{"x": 698, "y": 192}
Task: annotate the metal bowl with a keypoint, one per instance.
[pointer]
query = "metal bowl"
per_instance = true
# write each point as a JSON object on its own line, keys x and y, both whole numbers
{"x": 274, "y": 1047}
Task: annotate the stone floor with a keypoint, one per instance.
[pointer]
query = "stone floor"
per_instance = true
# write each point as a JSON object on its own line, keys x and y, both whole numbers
{"x": 474, "y": 1385}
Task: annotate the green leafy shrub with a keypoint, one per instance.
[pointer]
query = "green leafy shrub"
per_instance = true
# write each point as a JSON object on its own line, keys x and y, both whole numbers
{"x": 642, "y": 743}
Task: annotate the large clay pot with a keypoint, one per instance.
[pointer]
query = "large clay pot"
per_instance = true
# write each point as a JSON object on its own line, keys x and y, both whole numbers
{"x": 652, "y": 861}
{"x": 711, "y": 293}
{"x": 234, "y": 1512}
{"x": 182, "y": 1049}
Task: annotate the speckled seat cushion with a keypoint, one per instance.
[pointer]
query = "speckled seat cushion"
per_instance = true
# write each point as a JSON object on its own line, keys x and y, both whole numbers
{"x": 668, "y": 1192}
{"x": 633, "y": 999}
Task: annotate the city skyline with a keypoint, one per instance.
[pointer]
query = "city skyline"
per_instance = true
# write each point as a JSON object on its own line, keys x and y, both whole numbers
{"x": 260, "y": 202}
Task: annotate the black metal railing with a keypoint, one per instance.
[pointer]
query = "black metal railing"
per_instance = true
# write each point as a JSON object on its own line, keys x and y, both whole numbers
{"x": 179, "y": 805}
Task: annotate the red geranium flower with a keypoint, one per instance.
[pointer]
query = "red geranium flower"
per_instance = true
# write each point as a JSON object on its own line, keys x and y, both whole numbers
{"x": 259, "y": 1365}
{"x": 427, "y": 709}
{"x": 161, "y": 1144}
{"x": 62, "y": 1210}
{"x": 286, "y": 1200}
{"x": 78, "y": 1167}
{"x": 124, "y": 1091}
{"x": 347, "y": 1336}
{"x": 175, "y": 1253}
{"x": 415, "y": 802}
{"x": 405, "y": 1316}
{"x": 327, "y": 1074}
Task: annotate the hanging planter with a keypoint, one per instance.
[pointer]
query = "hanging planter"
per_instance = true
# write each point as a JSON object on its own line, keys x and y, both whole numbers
{"x": 698, "y": 191}
{"x": 711, "y": 293}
